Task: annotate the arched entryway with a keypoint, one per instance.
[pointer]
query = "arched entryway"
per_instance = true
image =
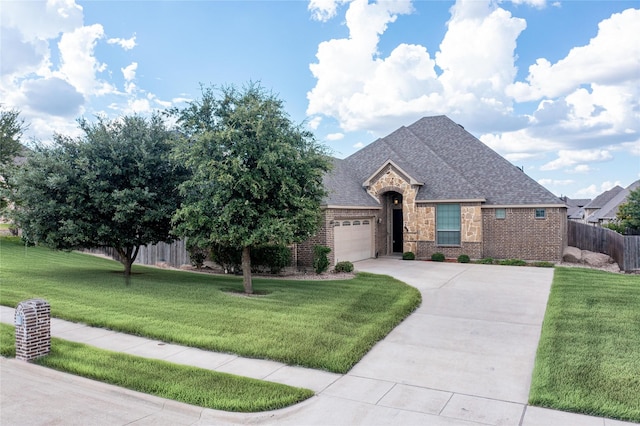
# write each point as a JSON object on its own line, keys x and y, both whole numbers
{"x": 395, "y": 222}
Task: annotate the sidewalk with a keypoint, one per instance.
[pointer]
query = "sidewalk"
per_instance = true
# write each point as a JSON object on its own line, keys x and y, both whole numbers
{"x": 463, "y": 358}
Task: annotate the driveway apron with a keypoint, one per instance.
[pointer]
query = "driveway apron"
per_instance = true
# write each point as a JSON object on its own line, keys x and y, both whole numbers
{"x": 475, "y": 334}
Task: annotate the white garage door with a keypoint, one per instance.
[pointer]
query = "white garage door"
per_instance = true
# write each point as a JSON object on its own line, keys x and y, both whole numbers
{"x": 352, "y": 239}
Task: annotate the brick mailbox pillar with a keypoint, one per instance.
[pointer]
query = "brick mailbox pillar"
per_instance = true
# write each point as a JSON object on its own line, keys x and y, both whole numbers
{"x": 33, "y": 329}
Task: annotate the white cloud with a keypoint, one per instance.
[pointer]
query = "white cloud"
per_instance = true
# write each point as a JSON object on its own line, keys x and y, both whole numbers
{"x": 323, "y": 10}
{"x": 79, "y": 65}
{"x": 568, "y": 158}
{"x": 581, "y": 168}
{"x": 335, "y": 136}
{"x": 594, "y": 190}
{"x": 314, "y": 123}
{"x": 555, "y": 182}
{"x": 129, "y": 72}
{"x": 125, "y": 43}
{"x": 358, "y": 145}
{"x": 365, "y": 91}
{"x": 611, "y": 56}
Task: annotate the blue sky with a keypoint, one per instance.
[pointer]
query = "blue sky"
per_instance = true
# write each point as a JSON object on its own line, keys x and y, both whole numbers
{"x": 552, "y": 86}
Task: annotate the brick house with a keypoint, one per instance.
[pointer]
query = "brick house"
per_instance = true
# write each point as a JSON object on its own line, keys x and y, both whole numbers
{"x": 433, "y": 187}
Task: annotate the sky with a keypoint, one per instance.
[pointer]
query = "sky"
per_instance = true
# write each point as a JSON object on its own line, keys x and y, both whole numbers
{"x": 553, "y": 86}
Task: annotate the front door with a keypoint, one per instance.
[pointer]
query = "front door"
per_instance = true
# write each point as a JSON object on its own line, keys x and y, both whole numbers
{"x": 397, "y": 231}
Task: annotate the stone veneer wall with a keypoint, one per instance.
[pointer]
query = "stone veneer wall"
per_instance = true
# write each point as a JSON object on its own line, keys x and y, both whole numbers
{"x": 325, "y": 234}
{"x": 521, "y": 236}
{"x": 390, "y": 179}
{"x": 470, "y": 232}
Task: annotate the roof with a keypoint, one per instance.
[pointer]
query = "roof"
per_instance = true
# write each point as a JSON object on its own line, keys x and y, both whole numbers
{"x": 604, "y": 198}
{"x": 450, "y": 162}
{"x": 575, "y": 206}
{"x": 610, "y": 209}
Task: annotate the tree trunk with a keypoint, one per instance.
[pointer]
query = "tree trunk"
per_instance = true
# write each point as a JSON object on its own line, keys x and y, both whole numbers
{"x": 127, "y": 257}
{"x": 246, "y": 270}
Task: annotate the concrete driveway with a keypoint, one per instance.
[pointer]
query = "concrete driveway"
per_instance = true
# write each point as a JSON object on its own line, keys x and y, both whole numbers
{"x": 465, "y": 357}
{"x": 476, "y": 332}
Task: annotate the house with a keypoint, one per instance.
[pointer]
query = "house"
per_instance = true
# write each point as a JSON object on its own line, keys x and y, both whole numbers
{"x": 433, "y": 187}
{"x": 596, "y": 204}
{"x": 608, "y": 211}
{"x": 575, "y": 207}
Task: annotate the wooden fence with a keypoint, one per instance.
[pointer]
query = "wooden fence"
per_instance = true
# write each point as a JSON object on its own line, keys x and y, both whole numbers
{"x": 624, "y": 249}
{"x": 174, "y": 254}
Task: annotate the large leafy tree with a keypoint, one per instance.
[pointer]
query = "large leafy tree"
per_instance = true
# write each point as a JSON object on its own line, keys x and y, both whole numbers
{"x": 255, "y": 177}
{"x": 116, "y": 186}
{"x": 629, "y": 212}
{"x": 11, "y": 130}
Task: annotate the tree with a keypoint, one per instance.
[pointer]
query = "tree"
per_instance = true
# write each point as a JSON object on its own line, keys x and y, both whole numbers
{"x": 629, "y": 212}
{"x": 11, "y": 130}
{"x": 115, "y": 186}
{"x": 255, "y": 177}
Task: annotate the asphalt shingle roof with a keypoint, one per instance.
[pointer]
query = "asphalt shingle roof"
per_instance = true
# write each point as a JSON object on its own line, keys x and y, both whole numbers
{"x": 610, "y": 209}
{"x": 450, "y": 162}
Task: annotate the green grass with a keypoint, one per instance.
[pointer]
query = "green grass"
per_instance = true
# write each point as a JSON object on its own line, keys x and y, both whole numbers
{"x": 182, "y": 383}
{"x": 321, "y": 324}
{"x": 588, "y": 359}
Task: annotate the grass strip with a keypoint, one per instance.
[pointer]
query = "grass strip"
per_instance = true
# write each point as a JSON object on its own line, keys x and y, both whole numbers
{"x": 191, "y": 385}
{"x": 323, "y": 324}
{"x": 588, "y": 358}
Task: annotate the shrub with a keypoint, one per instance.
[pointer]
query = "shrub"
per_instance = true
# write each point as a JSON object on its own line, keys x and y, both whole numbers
{"x": 437, "y": 257}
{"x": 408, "y": 255}
{"x": 272, "y": 258}
{"x": 486, "y": 261}
{"x": 543, "y": 264}
{"x": 463, "y": 258}
{"x": 197, "y": 254}
{"x": 229, "y": 258}
{"x": 344, "y": 266}
{"x": 320, "y": 259}
{"x": 513, "y": 262}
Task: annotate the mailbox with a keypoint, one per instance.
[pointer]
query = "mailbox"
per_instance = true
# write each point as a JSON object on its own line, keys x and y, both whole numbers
{"x": 33, "y": 329}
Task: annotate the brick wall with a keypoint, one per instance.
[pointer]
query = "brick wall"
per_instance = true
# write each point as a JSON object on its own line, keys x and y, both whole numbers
{"x": 325, "y": 237}
{"x": 521, "y": 236}
{"x": 427, "y": 248}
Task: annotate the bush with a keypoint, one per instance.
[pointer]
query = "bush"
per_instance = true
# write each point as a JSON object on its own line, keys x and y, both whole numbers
{"x": 513, "y": 262}
{"x": 229, "y": 258}
{"x": 543, "y": 264}
{"x": 486, "y": 261}
{"x": 408, "y": 255}
{"x": 320, "y": 259}
{"x": 197, "y": 255}
{"x": 463, "y": 258}
{"x": 437, "y": 257}
{"x": 271, "y": 258}
{"x": 344, "y": 266}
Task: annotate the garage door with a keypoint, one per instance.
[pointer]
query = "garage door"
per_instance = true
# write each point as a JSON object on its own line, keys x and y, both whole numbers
{"x": 352, "y": 239}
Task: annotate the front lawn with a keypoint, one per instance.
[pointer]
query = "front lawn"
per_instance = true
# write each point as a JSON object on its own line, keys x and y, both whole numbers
{"x": 327, "y": 325}
{"x": 588, "y": 359}
{"x": 191, "y": 385}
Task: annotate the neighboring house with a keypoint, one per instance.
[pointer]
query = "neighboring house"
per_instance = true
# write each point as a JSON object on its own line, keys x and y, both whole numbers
{"x": 596, "y": 204}
{"x": 433, "y": 187}
{"x": 575, "y": 207}
{"x": 608, "y": 212}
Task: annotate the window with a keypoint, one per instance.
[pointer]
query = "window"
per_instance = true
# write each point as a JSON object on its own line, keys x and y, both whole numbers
{"x": 356, "y": 222}
{"x": 541, "y": 214}
{"x": 346, "y": 223}
{"x": 501, "y": 213}
{"x": 448, "y": 224}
